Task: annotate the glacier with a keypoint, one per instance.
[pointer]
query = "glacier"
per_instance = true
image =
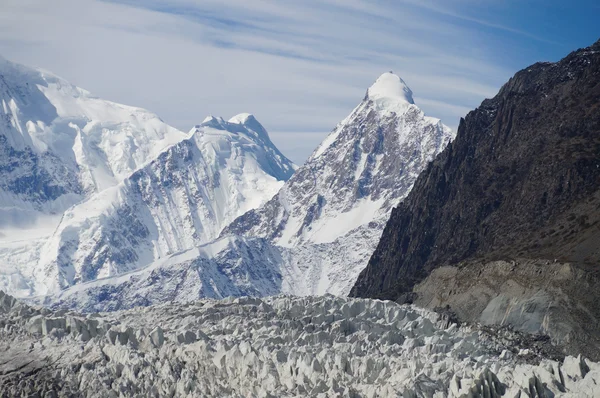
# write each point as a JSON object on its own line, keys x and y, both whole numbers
{"x": 275, "y": 347}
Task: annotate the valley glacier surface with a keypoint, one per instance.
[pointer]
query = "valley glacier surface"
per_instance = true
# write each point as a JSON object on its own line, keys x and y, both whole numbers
{"x": 274, "y": 347}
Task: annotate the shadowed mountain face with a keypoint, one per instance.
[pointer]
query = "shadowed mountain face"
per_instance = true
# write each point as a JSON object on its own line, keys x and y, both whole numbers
{"x": 521, "y": 180}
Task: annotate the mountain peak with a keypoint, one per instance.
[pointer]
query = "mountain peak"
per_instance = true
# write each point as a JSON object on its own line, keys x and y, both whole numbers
{"x": 249, "y": 122}
{"x": 390, "y": 93}
{"x": 211, "y": 121}
{"x": 244, "y": 123}
{"x": 242, "y": 118}
{"x": 391, "y": 87}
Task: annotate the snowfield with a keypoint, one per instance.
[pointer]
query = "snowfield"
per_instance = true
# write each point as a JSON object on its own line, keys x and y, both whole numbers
{"x": 274, "y": 347}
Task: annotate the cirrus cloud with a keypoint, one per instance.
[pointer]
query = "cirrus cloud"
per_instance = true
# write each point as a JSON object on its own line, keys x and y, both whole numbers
{"x": 300, "y": 67}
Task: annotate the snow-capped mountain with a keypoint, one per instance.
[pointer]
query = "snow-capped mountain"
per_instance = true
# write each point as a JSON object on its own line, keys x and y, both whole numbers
{"x": 363, "y": 168}
{"x": 181, "y": 199}
{"x": 90, "y": 188}
{"x": 316, "y": 234}
{"x": 59, "y": 143}
{"x": 338, "y": 201}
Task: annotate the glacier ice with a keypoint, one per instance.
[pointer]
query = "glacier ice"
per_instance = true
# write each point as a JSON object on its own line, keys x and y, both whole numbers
{"x": 273, "y": 347}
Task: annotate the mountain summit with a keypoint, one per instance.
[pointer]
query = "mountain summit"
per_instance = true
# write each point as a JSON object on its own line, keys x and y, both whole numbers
{"x": 253, "y": 138}
{"x": 390, "y": 93}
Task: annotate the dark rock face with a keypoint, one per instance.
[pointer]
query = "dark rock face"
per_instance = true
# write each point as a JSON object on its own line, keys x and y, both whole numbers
{"x": 521, "y": 179}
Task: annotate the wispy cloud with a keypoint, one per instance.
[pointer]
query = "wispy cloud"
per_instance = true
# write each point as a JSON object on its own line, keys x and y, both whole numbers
{"x": 441, "y": 8}
{"x": 298, "y": 65}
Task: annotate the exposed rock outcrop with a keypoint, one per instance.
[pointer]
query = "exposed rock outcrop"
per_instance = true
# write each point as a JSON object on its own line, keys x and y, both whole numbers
{"x": 558, "y": 300}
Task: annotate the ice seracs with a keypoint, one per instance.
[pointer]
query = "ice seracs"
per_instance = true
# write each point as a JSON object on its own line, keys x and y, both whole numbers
{"x": 274, "y": 347}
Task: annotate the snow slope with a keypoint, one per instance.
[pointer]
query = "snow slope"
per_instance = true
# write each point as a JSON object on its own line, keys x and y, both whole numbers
{"x": 181, "y": 199}
{"x": 59, "y": 143}
{"x": 209, "y": 270}
{"x": 230, "y": 266}
{"x": 276, "y": 347}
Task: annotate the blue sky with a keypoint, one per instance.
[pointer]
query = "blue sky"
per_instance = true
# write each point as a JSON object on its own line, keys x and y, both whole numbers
{"x": 299, "y": 66}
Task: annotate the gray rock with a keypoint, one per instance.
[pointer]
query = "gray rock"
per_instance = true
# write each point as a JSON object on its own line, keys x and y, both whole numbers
{"x": 187, "y": 337}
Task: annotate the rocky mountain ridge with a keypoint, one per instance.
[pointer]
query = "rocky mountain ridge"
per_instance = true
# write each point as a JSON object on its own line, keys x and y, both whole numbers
{"x": 521, "y": 182}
